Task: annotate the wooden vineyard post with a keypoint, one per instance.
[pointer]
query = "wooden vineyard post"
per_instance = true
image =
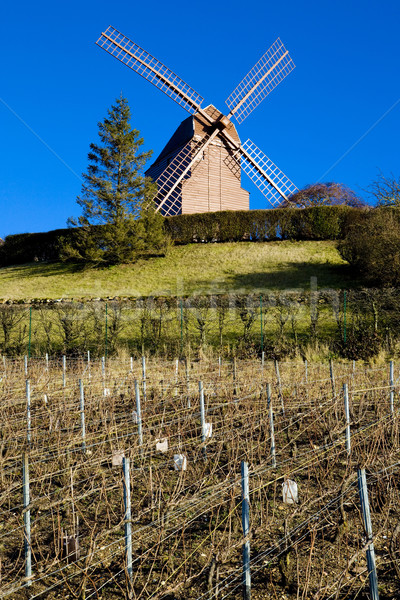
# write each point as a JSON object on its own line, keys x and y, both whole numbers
{"x": 246, "y": 529}
{"x": 202, "y": 418}
{"x": 391, "y": 383}
{"x": 64, "y": 369}
{"x": 363, "y": 492}
{"x": 347, "y": 414}
{"x": 332, "y": 376}
{"x": 262, "y": 364}
{"x": 139, "y": 416}
{"x": 144, "y": 377}
{"x": 234, "y": 377}
{"x": 261, "y": 327}
{"x": 128, "y": 521}
{"x": 176, "y": 377}
{"x": 278, "y": 378}
{"x": 181, "y": 303}
{"x": 187, "y": 383}
{"x": 106, "y": 334}
{"x": 27, "y": 520}
{"x": 271, "y": 425}
{"x": 103, "y": 371}
{"x": 88, "y": 364}
{"x": 82, "y": 413}
{"x": 30, "y": 332}
{"x": 28, "y": 411}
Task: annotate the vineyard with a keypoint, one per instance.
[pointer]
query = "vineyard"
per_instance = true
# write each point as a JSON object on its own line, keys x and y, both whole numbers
{"x": 353, "y": 324}
{"x": 124, "y": 478}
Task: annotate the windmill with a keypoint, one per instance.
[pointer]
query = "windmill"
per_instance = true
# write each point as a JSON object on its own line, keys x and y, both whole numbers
{"x": 199, "y": 169}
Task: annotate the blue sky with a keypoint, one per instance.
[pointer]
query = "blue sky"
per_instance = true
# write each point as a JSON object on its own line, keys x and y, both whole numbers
{"x": 56, "y": 85}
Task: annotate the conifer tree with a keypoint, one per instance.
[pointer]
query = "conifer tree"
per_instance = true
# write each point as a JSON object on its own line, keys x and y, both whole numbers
{"x": 118, "y": 221}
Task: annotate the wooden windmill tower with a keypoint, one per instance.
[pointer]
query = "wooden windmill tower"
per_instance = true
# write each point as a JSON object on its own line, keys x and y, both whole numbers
{"x": 199, "y": 169}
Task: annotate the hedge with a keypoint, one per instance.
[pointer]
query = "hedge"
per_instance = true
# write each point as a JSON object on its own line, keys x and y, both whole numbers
{"x": 28, "y": 247}
{"x": 316, "y": 223}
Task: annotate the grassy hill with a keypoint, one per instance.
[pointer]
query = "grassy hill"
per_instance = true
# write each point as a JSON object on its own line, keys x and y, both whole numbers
{"x": 196, "y": 268}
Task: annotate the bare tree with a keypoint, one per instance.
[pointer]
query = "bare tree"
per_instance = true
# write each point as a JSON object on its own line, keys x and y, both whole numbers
{"x": 70, "y": 326}
{"x": 323, "y": 194}
{"x": 10, "y": 317}
{"x": 201, "y": 318}
{"x": 386, "y": 190}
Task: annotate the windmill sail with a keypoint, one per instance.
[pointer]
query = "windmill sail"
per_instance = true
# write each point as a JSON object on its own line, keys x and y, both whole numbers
{"x": 266, "y": 74}
{"x": 181, "y": 167}
{"x": 269, "y": 179}
{"x": 168, "y": 198}
{"x": 137, "y": 59}
{"x": 217, "y": 184}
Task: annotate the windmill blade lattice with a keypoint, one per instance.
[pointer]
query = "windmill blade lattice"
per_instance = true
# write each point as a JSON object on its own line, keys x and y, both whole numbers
{"x": 269, "y": 179}
{"x": 137, "y": 59}
{"x": 172, "y": 196}
{"x": 183, "y": 166}
{"x": 266, "y": 74}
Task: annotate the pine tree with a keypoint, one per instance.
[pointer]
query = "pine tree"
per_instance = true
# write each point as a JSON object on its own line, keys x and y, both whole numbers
{"x": 118, "y": 221}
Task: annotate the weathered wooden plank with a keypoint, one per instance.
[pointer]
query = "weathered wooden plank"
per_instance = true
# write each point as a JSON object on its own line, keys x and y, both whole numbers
{"x": 215, "y": 181}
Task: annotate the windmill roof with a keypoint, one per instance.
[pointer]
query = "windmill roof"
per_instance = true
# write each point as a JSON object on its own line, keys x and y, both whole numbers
{"x": 182, "y": 135}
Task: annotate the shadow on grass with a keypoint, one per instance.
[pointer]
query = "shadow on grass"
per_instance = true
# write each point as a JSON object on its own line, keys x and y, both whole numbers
{"x": 40, "y": 269}
{"x": 298, "y": 276}
{"x": 286, "y": 276}
{"x": 289, "y": 276}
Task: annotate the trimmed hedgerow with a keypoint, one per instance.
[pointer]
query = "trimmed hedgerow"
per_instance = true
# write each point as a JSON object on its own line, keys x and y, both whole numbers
{"x": 315, "y": 223}
{"x": 28, "y": 247}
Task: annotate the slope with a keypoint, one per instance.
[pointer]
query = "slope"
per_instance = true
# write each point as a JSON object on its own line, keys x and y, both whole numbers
{"x": 192, "y": 269}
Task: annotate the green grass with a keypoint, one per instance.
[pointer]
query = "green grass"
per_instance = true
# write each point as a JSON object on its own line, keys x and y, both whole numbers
{"x": 196, "y": 268}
